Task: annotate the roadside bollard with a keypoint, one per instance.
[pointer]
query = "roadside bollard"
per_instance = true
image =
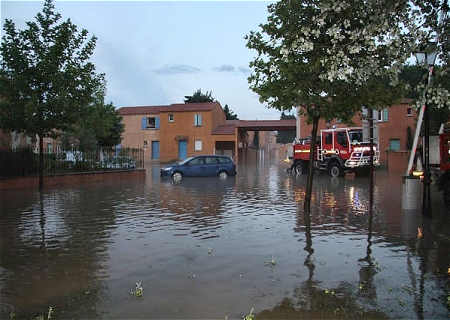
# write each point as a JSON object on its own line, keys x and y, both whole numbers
{"x": 410, "y": 193}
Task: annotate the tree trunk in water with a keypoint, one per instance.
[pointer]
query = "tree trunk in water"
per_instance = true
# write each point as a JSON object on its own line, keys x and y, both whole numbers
{"x": 371, "y": 149}
{"x": 41, "y": 162}
{"x": 312, "y": 155}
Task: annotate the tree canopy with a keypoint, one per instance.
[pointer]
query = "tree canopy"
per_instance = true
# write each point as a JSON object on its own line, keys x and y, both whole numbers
{"x": 331, "y": 58}
{"x": 198, "y": 96}
{"x": 47, "y": 80}
{"x": 230, "y": 115}
{"x": 286, "y": 136}
{"x": 46, "y": 75}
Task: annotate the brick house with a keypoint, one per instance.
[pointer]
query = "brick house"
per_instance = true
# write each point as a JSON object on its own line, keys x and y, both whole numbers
{"x": 393, "y": 126}
{"x": 178, "y": 131}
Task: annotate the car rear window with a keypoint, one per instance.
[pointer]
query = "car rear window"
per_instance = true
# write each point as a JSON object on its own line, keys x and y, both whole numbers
{"x": 223, "y": 159}
{"x": 211, "y": 160}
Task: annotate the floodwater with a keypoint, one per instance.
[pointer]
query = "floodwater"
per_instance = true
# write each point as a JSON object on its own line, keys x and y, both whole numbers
{"x": 215, "y": 249}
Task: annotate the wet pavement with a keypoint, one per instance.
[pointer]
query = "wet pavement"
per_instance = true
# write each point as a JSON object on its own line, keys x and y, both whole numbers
{"x": 206, "y": 248}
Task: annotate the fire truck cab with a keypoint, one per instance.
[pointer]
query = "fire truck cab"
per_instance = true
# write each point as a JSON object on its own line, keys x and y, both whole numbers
{"x": 339, "y": 151}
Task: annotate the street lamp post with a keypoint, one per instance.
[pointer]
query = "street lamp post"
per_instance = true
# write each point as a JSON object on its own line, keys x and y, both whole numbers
{"x": 428, "y": 57}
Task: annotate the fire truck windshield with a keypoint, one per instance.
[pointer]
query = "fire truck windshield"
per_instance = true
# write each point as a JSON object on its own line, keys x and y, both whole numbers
{"x": 355, "y": 136}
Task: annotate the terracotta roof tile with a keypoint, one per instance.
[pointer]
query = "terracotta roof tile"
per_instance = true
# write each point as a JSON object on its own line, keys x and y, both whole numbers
{"x": 203, "y": 106}
{"x": 175, "y": 107}
{"x": 141, "y": 110}
{"x": 226, "y": 129}
{"x": 263, "y": 124}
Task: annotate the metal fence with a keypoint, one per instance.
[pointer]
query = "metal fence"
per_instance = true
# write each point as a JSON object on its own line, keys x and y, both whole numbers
{"x": 25, "y": 162}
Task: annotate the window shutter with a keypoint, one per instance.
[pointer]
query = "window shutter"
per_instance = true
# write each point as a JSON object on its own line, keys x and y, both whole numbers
{"x": 386, "y": 115}
{"x": 144, "y": 123}
{"x": 157, "y": 122}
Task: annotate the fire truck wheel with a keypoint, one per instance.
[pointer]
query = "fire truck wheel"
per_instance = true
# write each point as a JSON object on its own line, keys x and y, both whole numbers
{"x": 335, "y": 170}
{"x": 300, "y": 167}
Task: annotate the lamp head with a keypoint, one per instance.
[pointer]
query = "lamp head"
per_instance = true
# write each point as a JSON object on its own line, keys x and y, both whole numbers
{"x": 427, "y": 54}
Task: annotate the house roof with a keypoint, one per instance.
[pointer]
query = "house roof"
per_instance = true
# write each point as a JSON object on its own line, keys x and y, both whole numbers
{"x": 140, "y": 110}
{"x": 226, "y": 129}
{"x": 268, "y": 125}
{"x": 252, "y": 125}
{"x": 201, "y": 106}
{"x": 175, "y": 107}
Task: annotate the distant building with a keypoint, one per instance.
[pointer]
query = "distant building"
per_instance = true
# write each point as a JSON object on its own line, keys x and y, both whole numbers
{"x": 392, "y": 124}
{"x": 178, "y": 131}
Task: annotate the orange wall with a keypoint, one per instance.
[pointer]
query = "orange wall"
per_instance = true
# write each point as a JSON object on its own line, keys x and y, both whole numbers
{"x": 183, "y": 126}
{"x": 396, "y": 127}
{"x": 134, "y": 136}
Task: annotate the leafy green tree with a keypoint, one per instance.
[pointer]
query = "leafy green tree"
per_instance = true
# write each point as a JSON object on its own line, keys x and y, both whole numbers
{"x": 414, "y": 77}
{"x": 230, "y": 115}
{"x": 103, "y": 127}
{"x": 46, "y": 77}
{"x": 324, "y": 56}
{"x": 198, "y": 96}
{"x": 286, "y": 136}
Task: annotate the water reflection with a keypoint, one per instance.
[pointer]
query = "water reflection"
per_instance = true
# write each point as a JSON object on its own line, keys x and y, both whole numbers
{"x": 203, "y": 249}
{"x": 44, "y": 237}
{"x": 200, "y": 205}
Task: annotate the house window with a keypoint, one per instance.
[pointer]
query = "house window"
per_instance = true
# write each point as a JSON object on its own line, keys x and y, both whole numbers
{"x": 150, "y": 123}
{"x": 409, "y": 112}
{"x": 49, "y": 148}
{"x": 145, "y": 143}
{"x": 394, "y": 144}
{"x": 198, "y": 120}
{"x": 170, "y": 117}
{"x": 198, "y": 145}
{"x": 383, "y": 115}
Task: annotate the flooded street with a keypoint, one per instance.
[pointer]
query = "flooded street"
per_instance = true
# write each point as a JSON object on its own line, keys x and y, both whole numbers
{"x": 213, "y": 249}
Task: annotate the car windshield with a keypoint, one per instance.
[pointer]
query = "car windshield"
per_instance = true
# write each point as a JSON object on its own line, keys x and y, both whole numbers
{"x": 356, "y": 136}
{"x": 186, "y": 160}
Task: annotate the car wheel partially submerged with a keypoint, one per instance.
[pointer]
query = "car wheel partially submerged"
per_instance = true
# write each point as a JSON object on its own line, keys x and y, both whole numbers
{"x": 177, "y": 176}
{"x": 223, "y": 175}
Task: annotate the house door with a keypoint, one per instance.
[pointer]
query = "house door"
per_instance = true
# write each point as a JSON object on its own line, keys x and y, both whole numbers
{"x": 182, "y": 149}
{"x": 155, "y": 150}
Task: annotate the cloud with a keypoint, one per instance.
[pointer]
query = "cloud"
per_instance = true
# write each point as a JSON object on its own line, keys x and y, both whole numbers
{"x": 244, "y": 70}
{"x": 177, "y": 69}
{"x": 225, "y": 68}
{"x": 231, "y": 69}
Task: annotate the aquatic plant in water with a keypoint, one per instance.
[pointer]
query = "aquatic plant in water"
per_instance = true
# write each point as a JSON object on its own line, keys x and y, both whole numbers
{"x": 49, "y": 315}
{"x": 250, "y": 316}
{"x": 138, "y": 291}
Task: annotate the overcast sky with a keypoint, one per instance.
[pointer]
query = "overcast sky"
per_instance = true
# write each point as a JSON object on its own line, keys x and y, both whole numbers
{"x": 157, "y": 52}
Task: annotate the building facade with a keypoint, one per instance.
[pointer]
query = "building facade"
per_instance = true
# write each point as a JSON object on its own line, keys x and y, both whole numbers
{"x": 178, "y": 131}
{"x": 396, "y": 127}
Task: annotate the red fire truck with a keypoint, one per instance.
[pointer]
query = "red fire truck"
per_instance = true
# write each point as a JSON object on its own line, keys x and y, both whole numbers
{"x": 339, "y": 151}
